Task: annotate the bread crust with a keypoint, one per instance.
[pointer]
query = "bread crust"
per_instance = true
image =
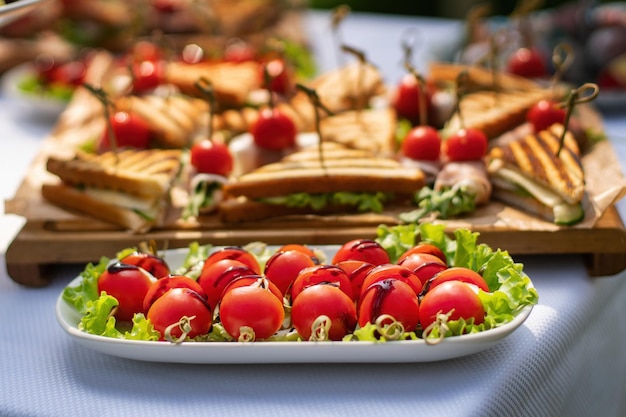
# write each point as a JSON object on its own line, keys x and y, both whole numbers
{"x": 325, "y": 180}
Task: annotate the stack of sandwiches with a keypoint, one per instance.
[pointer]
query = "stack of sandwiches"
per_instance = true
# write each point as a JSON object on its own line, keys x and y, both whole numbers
{"x": 531, "y": 174}
{"x": 129, "y": 188}
{"x": 340, "y": 180}
{"x": 493, "y": 111}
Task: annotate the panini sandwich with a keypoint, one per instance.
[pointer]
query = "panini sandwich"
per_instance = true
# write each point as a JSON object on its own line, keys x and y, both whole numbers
{"x": 532, "y": 175}
{"x": 340, "y": 180}
{"x": 129, "y": 188}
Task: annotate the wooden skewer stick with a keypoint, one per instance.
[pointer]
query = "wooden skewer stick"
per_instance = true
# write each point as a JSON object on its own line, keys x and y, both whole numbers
{"x": 104, "y": 98}
{"x": 360, "y": 55}
{"x": 317, "y": 105}
{"x": 205, "y": 86}
{"x": 583, "y": 94}
{"x": 338, "y": 15}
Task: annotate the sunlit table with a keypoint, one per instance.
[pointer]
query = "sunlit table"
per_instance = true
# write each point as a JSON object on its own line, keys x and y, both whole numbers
{"x": 567, "y": 359}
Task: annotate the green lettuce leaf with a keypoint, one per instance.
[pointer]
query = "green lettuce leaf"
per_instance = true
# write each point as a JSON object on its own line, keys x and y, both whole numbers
{"x": 510, "y": 288}
{"x": 87, "y": 289}
{"x": 192, "y": 264}
{"x": 444, "y": 204}
{"x": 364, "y": 202}
{"x": 98, "y": 320}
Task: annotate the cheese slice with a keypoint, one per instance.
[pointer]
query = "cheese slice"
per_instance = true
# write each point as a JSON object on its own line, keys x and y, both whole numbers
{"x": 148, "y": 207}
{"x": 540, "y": 192}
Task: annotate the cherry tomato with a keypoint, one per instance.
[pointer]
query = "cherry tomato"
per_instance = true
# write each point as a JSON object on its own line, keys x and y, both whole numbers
{"x": 544, "y": 114}
{"x": 151, "y": 263}
{"x": 166, "y": 6}
{"x": 389, "y": 297}
{"x": 422, "y": 143}
{"x": 458, "y": 274}
{"x": 70, "y": 73}
{"x": 357, "y": 271}
{"x": 129, "y": 130}
{"x": 211, "y": 157}
{"x": 321, "y": 274}
{"x": 273, "y": 130}
{"x": 283, "y": 267}
{"x": 364, "y": 250}
{"x": 527, "y": 62}
{"x": 258, "y": 280}
{"x": 406, "y": 99}
{"x": 238, "y": 254}
{"x": 302, "y": 248}
{"x": 423, "y": 265}
{"x": 161, "y": 286}
{"x": 323, "y": 300}
{"x": 239, "y": 51}
{"x": 174, "y": 306}
{"x": 215, "y": 276}
{"x": 147, "y": 75}
{"x": 279, "y": 74}
{"x": 453, "y": 296}
{"x": 128, "y": 284}
{"x": 392, "y": 271}
{"x": 465, "y": 145}
{"x": 145, "y": 50}
{"x": 424, "y": 247}
{"x": 251, "y": 307}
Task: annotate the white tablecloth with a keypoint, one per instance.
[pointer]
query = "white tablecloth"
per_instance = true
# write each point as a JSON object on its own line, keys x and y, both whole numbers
{"x": 566, "y": 360}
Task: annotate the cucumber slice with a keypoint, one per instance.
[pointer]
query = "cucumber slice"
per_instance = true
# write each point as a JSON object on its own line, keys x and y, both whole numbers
{"x": 568, "y": 214}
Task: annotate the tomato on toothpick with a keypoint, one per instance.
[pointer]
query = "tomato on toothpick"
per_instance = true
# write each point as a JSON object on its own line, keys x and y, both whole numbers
{"x": 147, "y": 75}
{"x": 528, "y": 63}
{"x": 280, "y": 76}
{"x": 273, "y": 130}
{"x": 422, "y": 143}
{"x": 210, "y": 156}
{"x": 544, "y": 114}
{"x": 465, "y": 145}
{"x": 127, "y": 129}
{"x": 407, "y": 99}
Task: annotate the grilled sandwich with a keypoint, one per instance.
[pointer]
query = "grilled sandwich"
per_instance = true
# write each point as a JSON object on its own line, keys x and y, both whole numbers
{"x": 232, "y": 82}
{"x": 349, "y": 87}
{"x": 532, "y": 175}
{"x": 339, "y": 181}
{"x": 370, "y": 129}
{"x": 129, "y": 188}
{"x": 493, "y": 109}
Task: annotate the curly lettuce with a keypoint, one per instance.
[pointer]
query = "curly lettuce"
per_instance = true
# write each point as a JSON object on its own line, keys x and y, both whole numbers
{"x": 510, "y": 288}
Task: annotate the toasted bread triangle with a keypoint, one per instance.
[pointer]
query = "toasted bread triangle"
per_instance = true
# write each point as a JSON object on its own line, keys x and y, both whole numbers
{"x": 535, "y": 156}
{"x": 333, "y": 173}
{"x": 139, "y": 172}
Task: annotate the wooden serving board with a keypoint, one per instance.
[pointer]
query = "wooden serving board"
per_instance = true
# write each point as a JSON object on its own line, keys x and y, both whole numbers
{"x": 36, "y": 248}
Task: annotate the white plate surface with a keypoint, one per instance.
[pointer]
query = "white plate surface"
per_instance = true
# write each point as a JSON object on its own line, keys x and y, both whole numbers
{"x": 282, "y": 352}
{"x": 36, "y": 105}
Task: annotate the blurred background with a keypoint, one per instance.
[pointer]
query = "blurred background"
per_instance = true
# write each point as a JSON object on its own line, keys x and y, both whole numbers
{"x": 441, "y": 8}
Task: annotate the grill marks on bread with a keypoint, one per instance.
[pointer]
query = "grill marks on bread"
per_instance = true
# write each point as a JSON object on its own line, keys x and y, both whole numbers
{"x": 139, "y": 172}
{"x": 345, "y": 170}
{"x": 536, "y": 157}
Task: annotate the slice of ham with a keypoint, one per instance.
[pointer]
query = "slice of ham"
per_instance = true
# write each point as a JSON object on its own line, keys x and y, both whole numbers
{"x": 469, "y": 174}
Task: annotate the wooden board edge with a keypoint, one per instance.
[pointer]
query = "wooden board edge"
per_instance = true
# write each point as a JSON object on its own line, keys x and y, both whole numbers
{"x": 29, "y": 255}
